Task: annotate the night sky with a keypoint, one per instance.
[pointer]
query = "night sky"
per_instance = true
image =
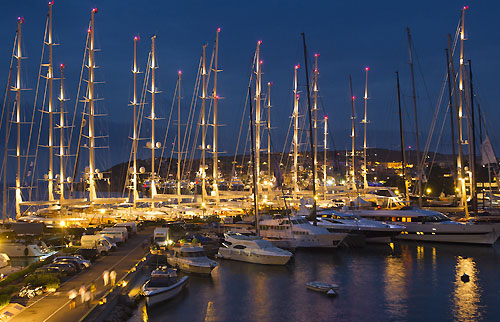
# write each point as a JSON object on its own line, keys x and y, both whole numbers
{"x": 349, "y": 35}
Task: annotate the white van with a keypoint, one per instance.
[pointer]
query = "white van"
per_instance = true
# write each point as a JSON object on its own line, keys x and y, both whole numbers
{"x": 122, "y": 229}
{"x": 160, "y": 236}
{"x": 111, "y": 240}
{"x": 116, "y": 236}
{"x": 98, "y": 242}
{"x": 132, "y": 227}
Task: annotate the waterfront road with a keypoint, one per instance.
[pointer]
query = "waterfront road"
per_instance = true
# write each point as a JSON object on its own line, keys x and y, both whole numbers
{"x": 55, "y": 307}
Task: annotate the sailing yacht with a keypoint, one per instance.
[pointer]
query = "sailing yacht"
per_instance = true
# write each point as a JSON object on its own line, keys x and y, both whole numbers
{"x": 252, "y": 249}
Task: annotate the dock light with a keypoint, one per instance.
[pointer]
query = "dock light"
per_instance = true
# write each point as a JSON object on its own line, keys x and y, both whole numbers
{"x": 62, "y": 223}
{"x": 124, "y": 283}
{"x": 102, "y": 211}
{"x": 428, "y": 190}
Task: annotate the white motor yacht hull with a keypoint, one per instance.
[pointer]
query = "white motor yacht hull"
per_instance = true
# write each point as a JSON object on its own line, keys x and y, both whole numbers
{"x": 249, "y": 257}
{"x": 20, "y": 250}
{"x": 451, "y": 233}
{"x": 156, "y": 295}
{"x": 191, "y": 267}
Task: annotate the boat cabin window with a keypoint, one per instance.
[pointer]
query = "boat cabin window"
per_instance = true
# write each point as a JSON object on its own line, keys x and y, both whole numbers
{"x": 192, "y": 254}
{"x": 299, "y": 221}
{"x": 240, "y": 247}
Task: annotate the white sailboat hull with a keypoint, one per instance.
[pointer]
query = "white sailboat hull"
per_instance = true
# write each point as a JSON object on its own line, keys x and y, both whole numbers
{"x": 252, "y": 257}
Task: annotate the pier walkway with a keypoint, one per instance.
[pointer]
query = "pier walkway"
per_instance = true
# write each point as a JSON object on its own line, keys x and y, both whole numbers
{"x": 55, "y": 307}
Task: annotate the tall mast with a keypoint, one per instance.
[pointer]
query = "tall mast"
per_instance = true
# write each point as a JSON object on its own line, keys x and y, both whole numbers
{"x": 353, "y": 137}
{"x": 203, "y": 130}
{"x": 153, "y": 116}
{"x": 311, "y": 133}
{"x": 414, "y": 97}
{"x": 269, "y": 167}
{"x": 258, "y": 65}
{"x": 61, "y": 139}
{"x": 365, "y": 122}
{"x": 452, "y": 127}
{"x": 295, "y": 134}
{"x": 472, "y": 146}
{"x": 460, "y": 180}
{"x": 325, "y": 148}
{"x": 402, "y": 136}
{"x": 254, "y": 176}
{"x": 216, "y": 100}
{"x": 17, "y": 89}
{"x": 315, "y": 119}
{"x": 179, "y": 152}
{"x": 135, "y": 71}
{"x": 50, "y": 78}
{"x": 90, "y": 100}
{"x": 460, "y": 109}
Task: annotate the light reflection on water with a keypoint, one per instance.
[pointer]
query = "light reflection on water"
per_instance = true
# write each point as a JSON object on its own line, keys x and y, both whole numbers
{"x": 409, "y": 282}
{"x": 466, "y": 296}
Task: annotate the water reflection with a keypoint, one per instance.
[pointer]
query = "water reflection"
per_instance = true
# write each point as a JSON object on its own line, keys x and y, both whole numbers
{"x": 466, "y": 296}
{"x": 396, "y": 285}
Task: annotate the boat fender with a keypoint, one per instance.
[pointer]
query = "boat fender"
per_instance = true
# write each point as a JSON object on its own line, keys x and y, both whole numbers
{"x": 465, "y": 278}
{"x": 26, "y": 251}
{"x": 331, "y": 292}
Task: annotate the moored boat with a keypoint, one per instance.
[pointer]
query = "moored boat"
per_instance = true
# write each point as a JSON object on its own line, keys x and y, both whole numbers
{"x": 252, "y": 249}
{"x": 163, "y": 285}
{"x": 191, "y": 259}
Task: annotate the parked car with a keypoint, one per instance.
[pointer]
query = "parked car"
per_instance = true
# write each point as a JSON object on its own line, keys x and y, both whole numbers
{"x": 90, "y": 254}
{"x": 79, "y": 258}
{"x": 50, "y": 270}
{"x": 79, "y": 266}
{"x": 66, "y": 268}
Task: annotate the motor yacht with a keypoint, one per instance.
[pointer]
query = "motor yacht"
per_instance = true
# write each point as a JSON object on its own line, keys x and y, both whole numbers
{"x": 191, "y": 259}
{"x": 252, "y": 249}
{"x": 163, "y": 285}
{"x": 372, "y": 231}
{"x": 296, "y": 232}
{"x": 428, "y": 225}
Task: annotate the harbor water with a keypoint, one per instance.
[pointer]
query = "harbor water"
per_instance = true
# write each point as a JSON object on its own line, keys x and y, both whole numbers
{"x": 402, "y": 282}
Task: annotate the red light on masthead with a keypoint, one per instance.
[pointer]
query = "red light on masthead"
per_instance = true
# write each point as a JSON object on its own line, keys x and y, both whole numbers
{"x": 353, "y": 98}
{"x": 367, "y": 68}
{"x": 62, "y": 66}
{"x": 326, "y": 117}
{"x": 218, "y": 29}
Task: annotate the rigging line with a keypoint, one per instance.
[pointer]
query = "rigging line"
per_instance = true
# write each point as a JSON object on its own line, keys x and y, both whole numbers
{"x": 244, "y": 113}
{"x": 9, "y": 122}
{"x": 7, "y": 88}
{"x": 193, "y": 148}
{"x": 245, "y": 149}
{"x": 140, "y": 114}
{"x": 170, "y": 162}
{"x": 37, "y": 145}
{"x": 191, "y": 116}
{"x": 77, "y": 99}
{"x": 168, "y": 126}
{"x": 438, "y": 106}
{"x": 438, "y": 143}
{"x": 36, "y": 97}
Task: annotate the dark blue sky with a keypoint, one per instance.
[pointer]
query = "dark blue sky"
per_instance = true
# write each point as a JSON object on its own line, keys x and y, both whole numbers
{"x": 349, "y": 35}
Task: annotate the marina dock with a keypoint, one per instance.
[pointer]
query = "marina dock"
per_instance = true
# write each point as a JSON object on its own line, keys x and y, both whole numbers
{"x": 55, "y": 306}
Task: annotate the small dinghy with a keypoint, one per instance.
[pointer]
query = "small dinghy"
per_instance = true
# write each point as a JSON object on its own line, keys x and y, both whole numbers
{"x": 328, "y": 289}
